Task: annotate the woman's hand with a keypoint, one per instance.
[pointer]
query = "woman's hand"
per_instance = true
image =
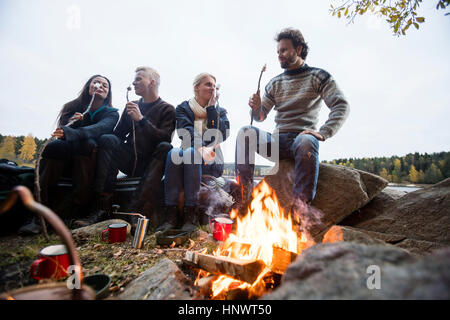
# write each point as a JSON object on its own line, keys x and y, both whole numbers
{"x": 133, "y": 111}
{"x": 59, "y": 133}
{"x": 207, "y": 153}
{"x": 77, "y": 116}
{"x": 214, "y": 98}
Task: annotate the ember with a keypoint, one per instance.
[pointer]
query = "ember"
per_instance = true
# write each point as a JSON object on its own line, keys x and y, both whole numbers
{"x": 265, "y": 241}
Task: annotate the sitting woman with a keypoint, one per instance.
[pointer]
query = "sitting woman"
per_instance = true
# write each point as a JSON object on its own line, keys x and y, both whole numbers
{"x": 72, "y": 151}
{"x": 202, "y": 126}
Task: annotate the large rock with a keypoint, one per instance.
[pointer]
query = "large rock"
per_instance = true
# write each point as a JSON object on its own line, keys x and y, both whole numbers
{"x": 348, "y": 234}
{"x": 380, "y": 203}
{"x": 346, "y": 270}
{"x": 340, "y": 190}
{"x": 85, "y": 233}
{"x": 164, "y": 281}
{"x": 422, "y": 215}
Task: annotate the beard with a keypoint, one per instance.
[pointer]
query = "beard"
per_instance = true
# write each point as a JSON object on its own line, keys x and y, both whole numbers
{"x": 290, "y": 61}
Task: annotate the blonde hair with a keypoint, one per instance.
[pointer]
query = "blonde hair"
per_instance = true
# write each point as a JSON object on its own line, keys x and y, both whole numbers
{"x": 151, "y": 73}
{"x": 198, "y": 79}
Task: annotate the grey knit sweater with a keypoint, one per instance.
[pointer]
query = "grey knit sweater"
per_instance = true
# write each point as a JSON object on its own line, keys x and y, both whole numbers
{"x": 297, "y": 94}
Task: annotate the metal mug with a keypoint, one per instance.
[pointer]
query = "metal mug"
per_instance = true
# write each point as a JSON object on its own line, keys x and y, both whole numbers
{"x": 139, "y": 234}
{"x": 53, "y": 263}
{"x": 220, "y": 227}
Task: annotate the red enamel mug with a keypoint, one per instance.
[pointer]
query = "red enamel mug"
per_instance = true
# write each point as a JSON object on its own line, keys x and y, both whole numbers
{"x": 52, "y": 264}
{"x": 117, "y": 232}
{"x": 220, "y": 227}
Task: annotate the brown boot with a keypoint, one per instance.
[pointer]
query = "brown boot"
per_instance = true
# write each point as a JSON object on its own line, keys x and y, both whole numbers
{"x": 100, "y": 212}
{"x": 191, "y": 219}
{"x": 171, "y": 219}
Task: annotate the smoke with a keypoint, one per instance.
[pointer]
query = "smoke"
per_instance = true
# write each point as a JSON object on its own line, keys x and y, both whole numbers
{"x": 307, "y": 217}
{"x": 215, "y": 201}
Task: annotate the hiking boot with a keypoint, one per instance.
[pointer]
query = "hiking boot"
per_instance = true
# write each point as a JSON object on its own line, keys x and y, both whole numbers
{"x": 94, "y": 217}
{"x": 191, "y": 219}
{"x": 99, "y": 213}
{"x": 171, "y": 219}
{"x": 31, "y": 226}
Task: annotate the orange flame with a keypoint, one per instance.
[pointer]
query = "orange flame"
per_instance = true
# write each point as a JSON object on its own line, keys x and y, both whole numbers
{"x": 264, "y": 227}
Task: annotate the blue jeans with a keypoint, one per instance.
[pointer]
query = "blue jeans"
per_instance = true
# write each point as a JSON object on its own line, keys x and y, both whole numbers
{"x": 303, "y": 149}
{"x": 184, "y": 176}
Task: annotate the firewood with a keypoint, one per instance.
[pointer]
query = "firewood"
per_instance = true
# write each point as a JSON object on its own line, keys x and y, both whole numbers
{"x": 281, "y": 260}
{"x": 244, "y": 270}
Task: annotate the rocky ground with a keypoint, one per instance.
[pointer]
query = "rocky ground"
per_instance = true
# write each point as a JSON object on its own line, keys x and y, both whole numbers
{"x": 120, "y": 261}
{"x": 372, "y": 243}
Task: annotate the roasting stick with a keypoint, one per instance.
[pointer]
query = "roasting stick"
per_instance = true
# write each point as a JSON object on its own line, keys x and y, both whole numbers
{"x": 134, "y": 138}
{"x": 257, "y": 91}
{"x": 39, "y": 158}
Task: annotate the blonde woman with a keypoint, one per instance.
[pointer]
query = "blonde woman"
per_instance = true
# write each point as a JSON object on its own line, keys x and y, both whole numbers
{"x": 202, "y": 125}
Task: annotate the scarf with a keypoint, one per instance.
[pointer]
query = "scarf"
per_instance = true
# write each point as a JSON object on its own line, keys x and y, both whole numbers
{"x": 200, "y": 116}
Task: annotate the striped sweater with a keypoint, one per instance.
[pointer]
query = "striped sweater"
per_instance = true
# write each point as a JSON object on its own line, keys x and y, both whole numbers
{"x": 296, "y": 95}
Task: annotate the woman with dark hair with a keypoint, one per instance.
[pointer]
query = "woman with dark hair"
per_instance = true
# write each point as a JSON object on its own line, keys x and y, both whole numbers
{"x": 73, "y": 151}
{"x": 202, "y": 126}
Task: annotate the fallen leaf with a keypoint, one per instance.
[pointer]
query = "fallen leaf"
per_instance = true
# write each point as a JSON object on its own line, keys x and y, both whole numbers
{"x": 118, "y": 253}
{"x": 191, "y": 244}
{"x": 128, "y": 267}
{"x": 114, "y": 288}
{"x": 173, "y": 244}
{"x": 95, "y": 269}
{"x": 202, "y": 235}
{"x": 159, "y": 251}
{"x": 96, "y": 246}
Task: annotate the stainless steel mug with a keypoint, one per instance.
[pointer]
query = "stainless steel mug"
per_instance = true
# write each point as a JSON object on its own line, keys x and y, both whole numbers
{"x": 139, "y": 234}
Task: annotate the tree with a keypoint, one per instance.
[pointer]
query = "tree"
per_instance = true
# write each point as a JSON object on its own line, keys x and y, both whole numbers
{"x": 413, "y": 175}
{"x": 398, "y": 165}
{"x": 28, "y": 148}
{"x": 384, "y": 174}
{"x": 421, "y": 176}
{"x": 7, "y": 149}
{"x": 396, "y": 178}
{"x": 400, "y": 15}
{"x": 433, "y": 174}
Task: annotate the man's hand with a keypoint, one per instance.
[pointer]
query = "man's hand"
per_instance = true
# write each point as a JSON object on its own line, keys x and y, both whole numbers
{"x": 315, "y": 134}
{"x": 59, "y": 133}
{"x": 133, "y": 111}
{"x": 255, "y": 101}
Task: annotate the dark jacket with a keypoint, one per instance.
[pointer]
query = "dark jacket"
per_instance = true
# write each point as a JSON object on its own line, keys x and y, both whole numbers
{"x": 93, "y": 125}
{"x": 216, "y": 119}
{"x": 157, "y": 126}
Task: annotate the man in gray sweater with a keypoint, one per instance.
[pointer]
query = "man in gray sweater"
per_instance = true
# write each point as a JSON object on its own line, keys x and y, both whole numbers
{"x": 296, "y": 95}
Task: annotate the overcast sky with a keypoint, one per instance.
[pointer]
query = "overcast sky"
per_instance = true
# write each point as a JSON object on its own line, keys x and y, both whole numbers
{"x": 398, "y": 88}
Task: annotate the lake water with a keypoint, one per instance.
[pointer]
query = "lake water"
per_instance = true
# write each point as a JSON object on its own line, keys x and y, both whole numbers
{"x": 392, "y": 187}
{"x": 403, "y": 188}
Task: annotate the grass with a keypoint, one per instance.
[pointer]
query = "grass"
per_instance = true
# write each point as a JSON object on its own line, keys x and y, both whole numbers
{"x": 119, "y": 260}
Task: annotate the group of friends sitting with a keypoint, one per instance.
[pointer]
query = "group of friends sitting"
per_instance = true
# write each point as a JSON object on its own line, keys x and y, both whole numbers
{"x": 91, "y": 144}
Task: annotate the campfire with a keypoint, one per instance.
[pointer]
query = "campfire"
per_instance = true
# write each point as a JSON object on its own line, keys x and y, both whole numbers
{"x": 255, "y": 255}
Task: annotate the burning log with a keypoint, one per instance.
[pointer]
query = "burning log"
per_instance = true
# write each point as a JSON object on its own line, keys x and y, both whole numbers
{"x": 244, "y": 270}
{"x": 281, "y": 260}
{"x": 281, "y": 257}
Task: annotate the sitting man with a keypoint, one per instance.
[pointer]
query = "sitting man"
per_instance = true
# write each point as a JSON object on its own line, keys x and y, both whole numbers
{"x": 138, "y": 147}
{"x": 296, "y": 95}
